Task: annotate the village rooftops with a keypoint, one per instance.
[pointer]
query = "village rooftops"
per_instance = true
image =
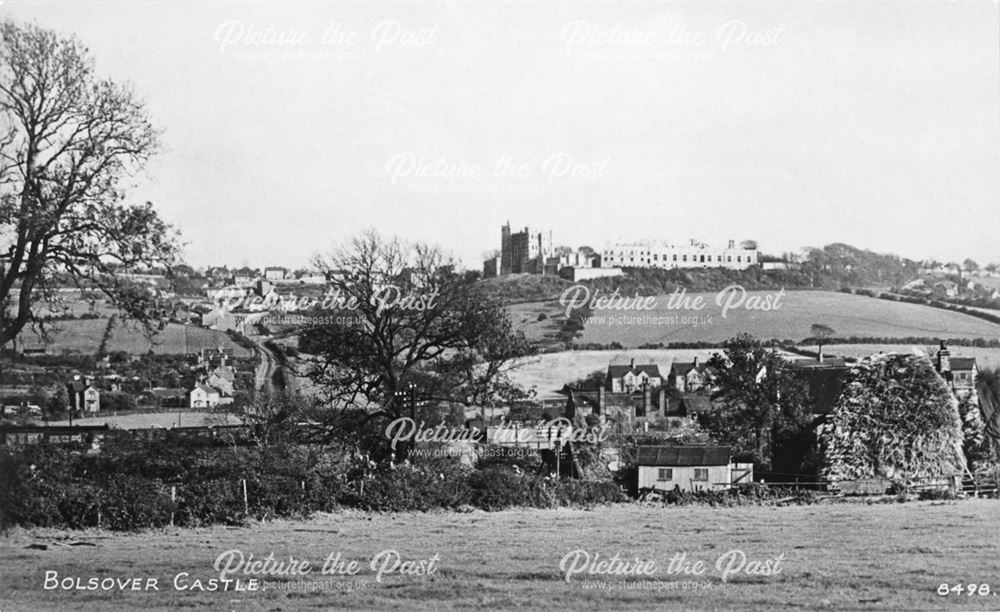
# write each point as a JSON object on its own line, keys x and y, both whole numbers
{"x": 681, "y": 368}
{"x": 680, "y": 456}
{"x": 618, "y": 371}
{"x": 962, "y": 363}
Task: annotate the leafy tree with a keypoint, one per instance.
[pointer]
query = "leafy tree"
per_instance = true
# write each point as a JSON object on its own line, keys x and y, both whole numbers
{"x": 405, "y": 316}
{"x": 594, "y": 380}
{"x": 760, "y": 403}
{"x": 58, "y": 401}
{"x": 68, "y": 140}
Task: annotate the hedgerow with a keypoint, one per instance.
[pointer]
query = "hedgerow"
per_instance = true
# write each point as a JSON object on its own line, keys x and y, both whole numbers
{"x": 138, "y": 486}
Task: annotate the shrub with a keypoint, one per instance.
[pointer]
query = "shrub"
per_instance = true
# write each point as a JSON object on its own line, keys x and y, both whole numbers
{"x": 936, "y": 494}
{"x": 497, "y": 488}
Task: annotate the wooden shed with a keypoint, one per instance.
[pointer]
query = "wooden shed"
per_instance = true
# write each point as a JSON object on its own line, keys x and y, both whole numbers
{"x": 689, "y": 468}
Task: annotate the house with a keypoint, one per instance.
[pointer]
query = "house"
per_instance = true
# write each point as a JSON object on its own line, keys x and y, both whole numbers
{"x": 964, "y": 372}
{"x": 689, "y": 468}
{"x": 244, "y": 276}
{"x": 223, "y": 379}
{"x": 219, "y": 274}
{"x": 694, "y": 405}
{"x": 630, "y": 378}
{"x": 959, "y": 372}
{"x": 947, "y": 287}
{"x": 275, "y": 273}
{"x": 204, "y": 396}
{"x": 692, "y": 377}
{"x": 83, "y": 395}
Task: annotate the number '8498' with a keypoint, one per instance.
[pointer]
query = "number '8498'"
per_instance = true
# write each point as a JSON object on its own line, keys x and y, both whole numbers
{"x": 964, "y": 589}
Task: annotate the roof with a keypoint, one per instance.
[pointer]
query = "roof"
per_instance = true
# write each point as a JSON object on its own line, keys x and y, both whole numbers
{"x": 78, "y": 386}
{"x": 225, "y": 373}
{"x": 828, "y": 362}
{"x": 697, "y": 404}
{"x": 962, "y": 363}
{"x": 680, "y": 456}
{"x": 205, "y": 388}
{"x": 682, "y": 368}
{"x": 618, "y": 371}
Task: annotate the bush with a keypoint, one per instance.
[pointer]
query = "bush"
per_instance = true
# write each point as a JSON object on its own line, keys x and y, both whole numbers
{"x": 936, "y": 494}
{"x": 408, "y": 488}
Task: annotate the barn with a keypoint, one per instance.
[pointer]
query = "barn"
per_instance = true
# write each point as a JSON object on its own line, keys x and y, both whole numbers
{"x": 689, "y": 468}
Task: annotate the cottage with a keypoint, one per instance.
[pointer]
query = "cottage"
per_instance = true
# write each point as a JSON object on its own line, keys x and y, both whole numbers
{"x": 960, "y": 372}
{"x": 275, "y": 273}
{"x": 692, "y": 377}
{"x": 83, "y": 395}
{"x": 630, "y": 378}
{"x": 245, "y": 276}
{"x": 689, "y": 468}
{"x": 204, "y": 396}
{"x": 947, "y": 287}
{"x": 694, "y": 405}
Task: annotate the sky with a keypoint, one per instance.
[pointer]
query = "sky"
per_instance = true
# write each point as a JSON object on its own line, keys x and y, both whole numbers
{"x": 289, "y": 127}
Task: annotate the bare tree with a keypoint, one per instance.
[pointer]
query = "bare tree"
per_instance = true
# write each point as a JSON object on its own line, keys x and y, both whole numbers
{"x": 68, "y": 141}
{"x": 407, "y": 316}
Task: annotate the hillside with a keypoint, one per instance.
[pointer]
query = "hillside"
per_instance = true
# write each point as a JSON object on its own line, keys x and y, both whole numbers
{"x": 834, "y": 266}
{"x": 848, "y": 315}
{"x": 84, "y": 337}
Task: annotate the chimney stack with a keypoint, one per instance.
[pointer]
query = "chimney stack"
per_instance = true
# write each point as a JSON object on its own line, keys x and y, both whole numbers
{"x": 632, "y": 364}
{"x": 944, "y": 359}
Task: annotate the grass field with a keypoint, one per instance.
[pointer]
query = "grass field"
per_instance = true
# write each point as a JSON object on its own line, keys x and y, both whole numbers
{"x": 836, "y": 556}
{"x": 164, "y": 418}
{"x": 525, "y": 318}
{"x": 549, "y": 372}
{"x": 849, "y": 315}
{"x": 84, "y": 336}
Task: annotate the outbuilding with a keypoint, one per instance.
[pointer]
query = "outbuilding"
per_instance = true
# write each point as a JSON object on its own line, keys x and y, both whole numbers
{"x": 689, "y": 468}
